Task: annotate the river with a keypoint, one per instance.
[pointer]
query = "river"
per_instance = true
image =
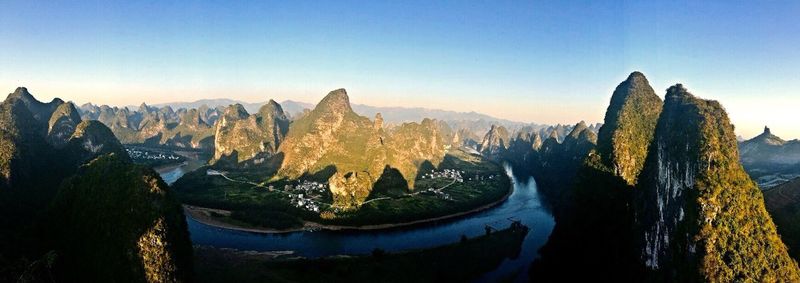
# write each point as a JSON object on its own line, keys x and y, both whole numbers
{"x": 524, "y": 204}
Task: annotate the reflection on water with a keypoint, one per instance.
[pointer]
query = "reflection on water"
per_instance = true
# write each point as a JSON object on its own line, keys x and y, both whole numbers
{"x": 171, "y": 173}
{"x": 523, "y": 204}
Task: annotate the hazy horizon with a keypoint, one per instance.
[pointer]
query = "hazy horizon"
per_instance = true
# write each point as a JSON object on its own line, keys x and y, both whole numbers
{"x": 536, "y": 62}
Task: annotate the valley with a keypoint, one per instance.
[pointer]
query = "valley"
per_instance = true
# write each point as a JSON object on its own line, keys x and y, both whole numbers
{"x": 332, "y": 190}
{"x": 399, "y": 141}
{"x": 247, "y": 198}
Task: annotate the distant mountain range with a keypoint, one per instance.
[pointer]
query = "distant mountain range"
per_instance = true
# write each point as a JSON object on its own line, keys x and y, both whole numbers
{"x": 769, "y": 159}
{"x": 771, "y": 149}
{"x": 193, "y": 124}
{"x": 391, "y": 115}
{"x": 655, "y": 194}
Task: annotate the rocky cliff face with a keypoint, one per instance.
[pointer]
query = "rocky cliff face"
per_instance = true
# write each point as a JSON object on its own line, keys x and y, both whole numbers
{"x": 62, "y": 124}
{"x": 22, "y": 144}
{"x": 522, "y": 148}
{"x": 598, "y": 204}
{"x": 593, "y": 215}
{"x": 411, "y": 145}
{"x": 556, "y": 164}
{"x": 92, "y": 139}
{"x": 274, "y": 123}
{"x": 39, "y": 110}
{"x": 570, "y": 153}
{"x": 97, "y": 210}
{"x": 350, "y": 188}
{"x": 332, "y": 136}
{"x": 696, "y": 208}
{"x": 629, "y": 126}
{"x": 495, "y": 142}
{"x": 768, "y": 152}
{"x": 241, "y": 137}
{"x": 155, "y": 126}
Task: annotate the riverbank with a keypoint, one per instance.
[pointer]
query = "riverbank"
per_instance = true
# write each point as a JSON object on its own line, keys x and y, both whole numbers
{"x": 206, "y": 216}
{"x": 463, "y": 260}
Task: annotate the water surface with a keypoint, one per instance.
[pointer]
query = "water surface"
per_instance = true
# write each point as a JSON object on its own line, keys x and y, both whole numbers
{"x": 524, "y": 204}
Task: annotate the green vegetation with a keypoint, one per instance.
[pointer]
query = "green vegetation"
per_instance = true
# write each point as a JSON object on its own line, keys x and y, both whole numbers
{"x": 155, "y": 127}
{"x": 119, "y": 222}
{"x": 599, "y": 203}
{"x": 692, "y": 212}
{"x": 257, "y": 206}
{"x": 113, "y": 221}
{"x": 720, "y": 216}
{"x": 555, "y": 164}
{"x": 241, "y": 137}
{"x": 464, "y": 196}
{"x": 248, "y": 203}
{"x": 783, "y": 204}
{"x": 333, "y": 136}
{"x": 461, "y": 262}
{"x": 629, "y": 126}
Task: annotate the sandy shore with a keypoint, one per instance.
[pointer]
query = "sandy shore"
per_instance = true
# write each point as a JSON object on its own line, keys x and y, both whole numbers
{"x": 203, "y": 215}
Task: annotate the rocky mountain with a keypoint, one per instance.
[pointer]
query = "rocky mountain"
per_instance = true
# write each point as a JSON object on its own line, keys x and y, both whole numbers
{"x": 51, "y": 137}
{"x": 334, "y": 138}
{"x": 332, "y": 141}
{"x": 768, "y": 148}
{"x": 23, "y": 147}
{"x": 411, "y": 146}
{"x": 599, "y": 201}
{"x": 522, "y": 149}
{"x": 474, "y": 122}
{"x": 42, "y": 145}
{"x": 532, "y": 148}
{"x": 699, "y": 216}
{"x": 91, "y": 139}
{"x": 769, "y": 159}
{"x": 240, "y": 136}
{"x": 308, "y": 136}
{"x": 154, "y": 126}
{"x": 629, "y": 126}
{"x": 40, "y": 111}
{"x": 62, "y": 124}
{"x": 495, "y": 142}
{"x": 470, "y": 126}
{"x": 210, "y": 104}
{"x": 130, "y": 228}
{"x": 689, "y": 214}
{"x": 161, "y": 125}
{"x": 557, "y": 163}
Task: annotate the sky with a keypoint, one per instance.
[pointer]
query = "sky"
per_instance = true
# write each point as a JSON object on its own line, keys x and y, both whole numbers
{"x": 531, "y": 61}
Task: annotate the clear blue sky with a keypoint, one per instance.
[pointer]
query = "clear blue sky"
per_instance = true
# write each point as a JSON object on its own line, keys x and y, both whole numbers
{"x": 542, "y": 61}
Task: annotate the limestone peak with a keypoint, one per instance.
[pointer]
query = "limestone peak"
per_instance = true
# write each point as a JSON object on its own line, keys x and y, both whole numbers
{"x": 336, "y": 101}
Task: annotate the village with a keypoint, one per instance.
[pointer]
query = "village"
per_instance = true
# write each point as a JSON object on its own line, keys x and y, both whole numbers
{"x": 139, "y": 154}
{"x": 305, "y": 195}
{"x": 452, "y": 174}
